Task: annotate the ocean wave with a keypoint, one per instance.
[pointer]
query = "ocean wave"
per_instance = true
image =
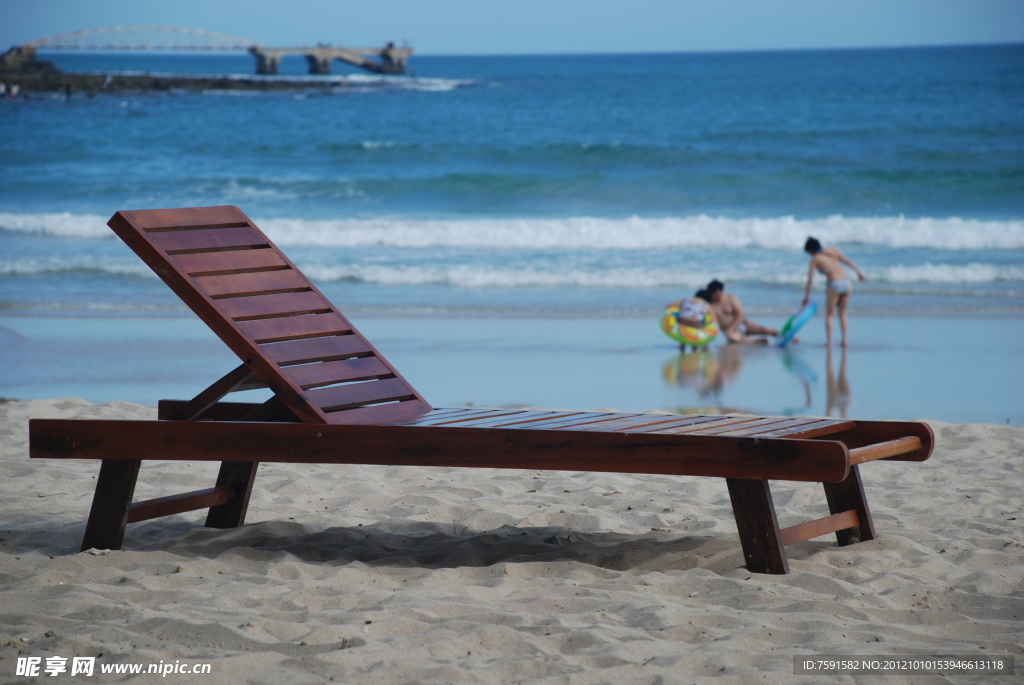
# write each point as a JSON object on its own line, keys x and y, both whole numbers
{"x": 565, "y": 273}
{"x": 56, "y": 265}
{"x": 495, "y": 276}
{"x": 488, "y": 276}
{"x": 952, "y": 273}
{"x": 63, "y": 224}
{"x": 594, "y": 233}
{"x": 649, "y": 233}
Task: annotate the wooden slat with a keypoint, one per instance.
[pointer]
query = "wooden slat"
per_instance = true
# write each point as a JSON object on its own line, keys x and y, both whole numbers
{"x": 528, "y": 419}
{"x": 565, "y": 420}
{"x": 176, "y": 504}
{"x": 757, "y": 425}
{"x": 496, "y": 419}
{"x": 344, "y": 396}
{"x": 774, "y": 424}
{"x": 212, "y": 240}
{"x": 433, "y": 413}
{"x": 468, "y": 415}
{"x": 295, "y": 327}
{"x": 272, "y": 306}
{"x": 243, "y": 285}
{"x": 811, "y": 430}
{"x": 678, "y": 422}
{"x": 822, "y": 461}
{"x": 484, "y": 420}
{"x": 694, "y": 421}
{"x": 581, "y": 424}
{"x": 442, "y": 411}
{"x": 326, "y": 373}
{"x": 379, "y": 413}
{"x": 882, "y": 450}
{"x": 185, "y": 217}
{"x": 234, "y": 261}
{"x": 316, "y": 349}
{"x": 818, "y": 527}
{"x": 627, "y": 423}
{"x": 698, "y": 429}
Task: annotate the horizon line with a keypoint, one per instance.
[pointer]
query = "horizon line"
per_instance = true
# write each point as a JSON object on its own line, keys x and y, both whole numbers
{"x": 588, "y": 53}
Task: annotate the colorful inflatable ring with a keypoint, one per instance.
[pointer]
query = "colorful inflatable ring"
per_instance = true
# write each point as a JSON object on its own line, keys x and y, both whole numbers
{"x": 685, "y": 335}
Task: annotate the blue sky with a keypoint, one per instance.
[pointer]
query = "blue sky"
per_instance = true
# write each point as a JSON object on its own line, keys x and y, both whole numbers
{"x": 546, "y": 26}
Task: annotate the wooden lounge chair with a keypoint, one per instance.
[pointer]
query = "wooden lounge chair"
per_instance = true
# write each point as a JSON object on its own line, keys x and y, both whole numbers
{"x": 337, "y": 400}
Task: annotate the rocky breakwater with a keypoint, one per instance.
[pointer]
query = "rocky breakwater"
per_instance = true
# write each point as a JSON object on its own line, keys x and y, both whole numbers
{"x": 38, "y": 76}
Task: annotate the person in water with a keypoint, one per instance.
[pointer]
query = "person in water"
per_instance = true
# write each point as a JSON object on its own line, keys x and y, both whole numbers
{"x": 829, "y": 261}
{"x": 732, "y": 319}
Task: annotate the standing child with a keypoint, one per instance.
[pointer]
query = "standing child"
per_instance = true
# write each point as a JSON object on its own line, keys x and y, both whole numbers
{"x": 829, "y": 261}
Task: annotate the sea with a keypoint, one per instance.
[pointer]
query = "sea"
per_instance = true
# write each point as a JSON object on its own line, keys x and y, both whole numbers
{"x": 534, "y": 208}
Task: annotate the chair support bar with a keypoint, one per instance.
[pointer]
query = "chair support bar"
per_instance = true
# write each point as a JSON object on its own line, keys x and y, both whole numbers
{"x": 890, "y": 448}
{"x": 824, "y": 526}
{"x": 207, "y": 398}
{"x": 176, "y": 504}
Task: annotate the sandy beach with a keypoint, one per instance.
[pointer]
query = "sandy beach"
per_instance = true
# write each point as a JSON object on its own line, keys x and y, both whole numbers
{"x": 419, "y": 575}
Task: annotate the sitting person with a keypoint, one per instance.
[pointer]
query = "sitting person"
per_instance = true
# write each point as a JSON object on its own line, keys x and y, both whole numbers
{"x": 732, "y": 319}
{"x": 695, "y": 312}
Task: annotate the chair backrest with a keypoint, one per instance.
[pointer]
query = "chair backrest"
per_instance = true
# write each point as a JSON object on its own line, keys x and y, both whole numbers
{"x": 277, "y": 322}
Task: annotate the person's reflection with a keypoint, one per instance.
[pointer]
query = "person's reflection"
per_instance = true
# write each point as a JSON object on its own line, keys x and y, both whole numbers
{"x": 706, "y": 371}
{"x": 839, "y": 395}
{"x": 801, "y": 370}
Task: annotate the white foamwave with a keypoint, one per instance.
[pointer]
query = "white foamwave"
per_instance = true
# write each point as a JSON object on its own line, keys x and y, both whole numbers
{"x": 483, "y": 276}
{"x": 591, "y": 233}
{"x": 641, "y": 276}
{"x": 33, "y": 267}
{"x": 496, "y": 275}
{"x": 378, "y": 144}
{"x": 65, "y": 224}
{"x": 637, "y": 233}
{"x": 952, "y": 273}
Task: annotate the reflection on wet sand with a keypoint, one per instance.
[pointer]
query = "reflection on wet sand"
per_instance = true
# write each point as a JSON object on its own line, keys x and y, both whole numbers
{"x": 838, "y": 392}
{"x": 708, "y": 371}
{"x": 799, "y": 368}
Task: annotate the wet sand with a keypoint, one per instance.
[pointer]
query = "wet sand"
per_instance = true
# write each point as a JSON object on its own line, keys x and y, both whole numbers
{"x": 962, "y": 370}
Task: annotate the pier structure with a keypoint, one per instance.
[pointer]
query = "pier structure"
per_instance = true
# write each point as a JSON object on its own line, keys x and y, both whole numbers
{"x": 386, "y": 60}
{"x": 391, "y": 60}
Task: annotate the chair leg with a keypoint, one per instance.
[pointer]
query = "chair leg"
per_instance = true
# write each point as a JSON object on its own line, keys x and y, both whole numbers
{"x": 758, "y": 527}
{"x": 847, "y": 495}
{"x": 239, "y": 476}
{"x": 108, "y": 517}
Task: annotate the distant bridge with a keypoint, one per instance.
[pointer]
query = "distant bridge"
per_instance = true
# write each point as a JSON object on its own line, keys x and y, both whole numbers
{"x": 155, "y": 38}
{"x": 386, "y": 60}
